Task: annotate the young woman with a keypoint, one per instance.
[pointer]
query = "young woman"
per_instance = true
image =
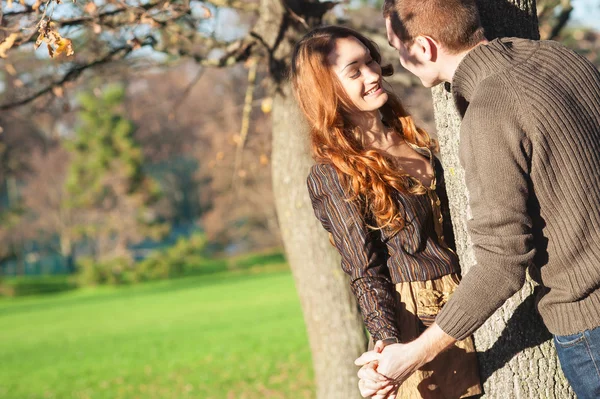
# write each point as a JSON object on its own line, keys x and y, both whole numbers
{"x": 378, "y": 190}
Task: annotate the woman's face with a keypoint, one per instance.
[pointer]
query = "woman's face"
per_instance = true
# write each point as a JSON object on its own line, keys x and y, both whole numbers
{"x": 358, "y": 73}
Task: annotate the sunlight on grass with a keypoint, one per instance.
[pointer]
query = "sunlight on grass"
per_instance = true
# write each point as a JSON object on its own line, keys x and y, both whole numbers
{"x": 210, "y": 337}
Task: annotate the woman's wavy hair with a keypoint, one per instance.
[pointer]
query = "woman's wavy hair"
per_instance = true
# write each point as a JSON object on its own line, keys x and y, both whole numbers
{"x": 370, "y": 177}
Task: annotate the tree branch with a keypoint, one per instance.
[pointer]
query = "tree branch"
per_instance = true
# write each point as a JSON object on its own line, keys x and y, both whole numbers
{"x": 237, "y": 4}
{"x": 563, "y": 18}
{"x": 75, "y": 72}
{"x": 235, "y": 52}
{"x": 245, "y": 120}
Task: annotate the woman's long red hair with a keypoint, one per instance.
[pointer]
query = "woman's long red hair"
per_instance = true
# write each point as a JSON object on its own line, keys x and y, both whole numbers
{"x": 369, "y": 176}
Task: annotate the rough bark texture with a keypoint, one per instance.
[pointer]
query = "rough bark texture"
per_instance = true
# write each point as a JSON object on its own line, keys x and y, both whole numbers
{"x": 517, "y": 359}
{"x": 333, "y": 322}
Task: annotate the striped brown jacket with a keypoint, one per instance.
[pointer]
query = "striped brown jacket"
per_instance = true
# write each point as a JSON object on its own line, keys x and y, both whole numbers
{"x": 375, "y": 260}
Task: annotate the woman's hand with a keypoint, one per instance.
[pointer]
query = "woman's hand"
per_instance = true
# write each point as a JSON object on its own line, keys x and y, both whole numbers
{"x": 371, "y": 383}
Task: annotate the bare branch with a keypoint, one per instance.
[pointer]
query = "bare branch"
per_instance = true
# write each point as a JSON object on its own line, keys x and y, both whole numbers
{"x": 101, "y": 17}
{"x": 185, "y": 93}
{"x": 235, "y": 52}
{"x": 237, "y": 4}
{"x": 117, "y": 53}
{"x": 562, "y": 19}
{"x": 245, "y": 120}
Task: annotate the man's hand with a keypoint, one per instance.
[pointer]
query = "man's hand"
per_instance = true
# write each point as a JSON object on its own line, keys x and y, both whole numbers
{"x": 399, "y": 361}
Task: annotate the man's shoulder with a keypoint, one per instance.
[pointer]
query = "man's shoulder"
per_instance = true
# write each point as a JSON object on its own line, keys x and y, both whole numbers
{"x": 496, "y": 91}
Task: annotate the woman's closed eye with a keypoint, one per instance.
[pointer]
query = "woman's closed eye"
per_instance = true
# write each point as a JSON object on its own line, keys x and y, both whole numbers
{"x": 357, "y": 73}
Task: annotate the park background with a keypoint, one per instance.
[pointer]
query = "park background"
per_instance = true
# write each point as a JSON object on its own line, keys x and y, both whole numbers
{"x": 140, "y": 252}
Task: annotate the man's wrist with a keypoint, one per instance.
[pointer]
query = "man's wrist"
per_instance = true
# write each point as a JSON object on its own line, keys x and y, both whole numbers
{"x": 434, "y": 341}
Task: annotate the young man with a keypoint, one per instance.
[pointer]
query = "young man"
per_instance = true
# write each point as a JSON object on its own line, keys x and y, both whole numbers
{"x": 530, "y": 147}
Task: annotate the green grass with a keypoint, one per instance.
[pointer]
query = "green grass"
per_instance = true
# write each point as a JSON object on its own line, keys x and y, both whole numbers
{"x": 211, "y": 337}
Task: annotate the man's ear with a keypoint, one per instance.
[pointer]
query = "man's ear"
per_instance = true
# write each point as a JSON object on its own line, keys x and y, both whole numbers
{"x": 426, "y": 48}
{"x": 393, "y": 39}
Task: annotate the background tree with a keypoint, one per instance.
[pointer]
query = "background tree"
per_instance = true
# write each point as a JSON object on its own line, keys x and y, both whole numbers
{"x": 132, "y": 35}
{"x": 108, "y": 191}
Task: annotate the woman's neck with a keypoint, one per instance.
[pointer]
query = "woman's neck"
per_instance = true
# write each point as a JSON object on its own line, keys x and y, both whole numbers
{"x": 374, "y": 133}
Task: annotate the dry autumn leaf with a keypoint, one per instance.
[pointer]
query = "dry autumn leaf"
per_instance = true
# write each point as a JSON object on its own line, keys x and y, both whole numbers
{"x": 64, "y": 46}
{"x": 266, "y": 105}
{"x": 90, "y": 8}
{"x": 36, "y": 5}
{"x": 10, "y": 69}
{"x": 146, "y": 19}
{"x": 7, "y": 44}
{"x": 58, "y": 91}
{"x": 56, "y": 43}
{"x": 207, "y": 13}
{"x": 135, "y": 43}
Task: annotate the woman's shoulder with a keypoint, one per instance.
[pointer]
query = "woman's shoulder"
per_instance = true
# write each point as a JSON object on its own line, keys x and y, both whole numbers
{"x": 323, "y": 171}
{"x": 324, "y": 178}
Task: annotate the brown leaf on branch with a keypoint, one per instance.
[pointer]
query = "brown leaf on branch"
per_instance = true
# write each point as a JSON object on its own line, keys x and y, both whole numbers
{"x": 58, "y": 91}
{"x": 7, "y": 44}
{"x": 146, "y": 19}
{"x": 56, "y": 43}
{"x": 64, "y": 46}
{"x": 90, "y": 8}
{"x": 10, "y": 69}
{"x": 207, "y": 13}
{"x": 135, "y": 43}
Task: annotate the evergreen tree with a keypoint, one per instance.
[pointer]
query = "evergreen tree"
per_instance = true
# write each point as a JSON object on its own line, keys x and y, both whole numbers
{"x": 106, "y": 183}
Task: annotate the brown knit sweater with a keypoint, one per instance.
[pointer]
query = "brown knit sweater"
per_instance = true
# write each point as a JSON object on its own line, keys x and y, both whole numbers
{"x": 530, "y": 146}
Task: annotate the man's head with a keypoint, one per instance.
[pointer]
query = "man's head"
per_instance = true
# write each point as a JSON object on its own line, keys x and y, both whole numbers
{"x": 424, "y": 30}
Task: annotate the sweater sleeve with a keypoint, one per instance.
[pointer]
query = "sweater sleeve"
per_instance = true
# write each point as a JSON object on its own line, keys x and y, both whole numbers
{"x": 495, "y": 154}
{"x": 364, "y": 254}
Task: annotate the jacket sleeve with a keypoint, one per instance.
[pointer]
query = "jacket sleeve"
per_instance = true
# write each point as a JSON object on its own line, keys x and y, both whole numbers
{"x": 495, "y": 153}
{"x": 364, "y": 254}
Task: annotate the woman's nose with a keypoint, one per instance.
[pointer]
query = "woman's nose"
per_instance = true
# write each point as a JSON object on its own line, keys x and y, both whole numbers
{"x": 371, "y": 74}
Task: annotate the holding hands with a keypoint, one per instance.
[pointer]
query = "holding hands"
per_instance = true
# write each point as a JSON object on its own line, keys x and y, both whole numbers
{"x": 386, "y": 367}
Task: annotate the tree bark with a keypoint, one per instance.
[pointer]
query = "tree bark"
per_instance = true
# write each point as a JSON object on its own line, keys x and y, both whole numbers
{"x": 333, "y": 322}
{"x": 517, "y": 358}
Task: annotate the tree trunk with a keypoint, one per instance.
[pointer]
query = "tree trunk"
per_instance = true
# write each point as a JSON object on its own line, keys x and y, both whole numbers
{"x": 333, "y": 322}
{"x": 517, "y": 359}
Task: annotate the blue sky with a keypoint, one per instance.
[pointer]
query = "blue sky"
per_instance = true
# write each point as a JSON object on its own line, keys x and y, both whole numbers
{"x": 586, "y": 12}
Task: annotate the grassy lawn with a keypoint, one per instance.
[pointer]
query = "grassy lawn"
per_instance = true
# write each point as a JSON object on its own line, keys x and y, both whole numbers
{"x": 211, "y": 337}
